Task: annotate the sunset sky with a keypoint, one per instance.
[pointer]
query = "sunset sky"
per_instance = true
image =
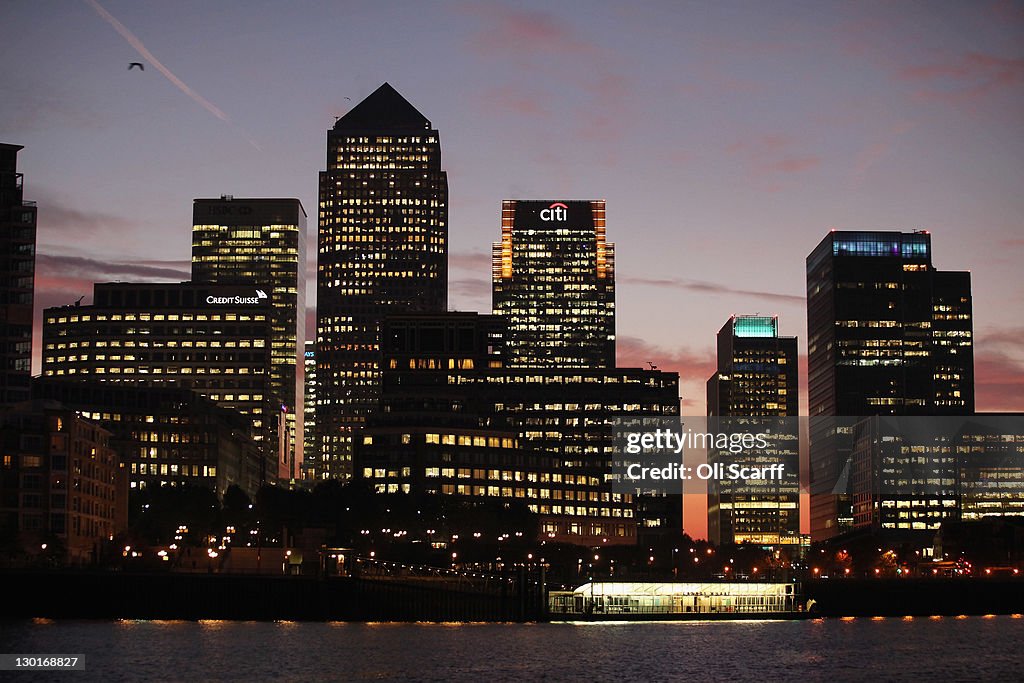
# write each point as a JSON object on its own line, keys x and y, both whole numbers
{"x": 726, "y": 137}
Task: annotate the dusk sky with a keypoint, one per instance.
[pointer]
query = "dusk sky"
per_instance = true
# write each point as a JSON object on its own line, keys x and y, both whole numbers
{"x": 727, "y": 139}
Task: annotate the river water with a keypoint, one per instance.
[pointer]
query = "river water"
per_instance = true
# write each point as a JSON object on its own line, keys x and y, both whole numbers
{"x": 947, "y": 648}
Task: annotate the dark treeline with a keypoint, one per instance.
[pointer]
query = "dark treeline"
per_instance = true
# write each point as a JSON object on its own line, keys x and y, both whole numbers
{"x": 440, "y": 531}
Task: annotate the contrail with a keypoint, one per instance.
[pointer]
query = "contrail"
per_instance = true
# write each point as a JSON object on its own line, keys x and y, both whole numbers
{"x": 148, "y": 56}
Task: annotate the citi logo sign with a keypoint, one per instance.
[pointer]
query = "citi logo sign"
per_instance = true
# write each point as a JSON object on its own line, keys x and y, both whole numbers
{"x": 556, "y": 212}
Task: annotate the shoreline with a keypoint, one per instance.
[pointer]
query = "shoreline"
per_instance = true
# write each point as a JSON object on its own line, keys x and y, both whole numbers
{"x": 235, "y": 597}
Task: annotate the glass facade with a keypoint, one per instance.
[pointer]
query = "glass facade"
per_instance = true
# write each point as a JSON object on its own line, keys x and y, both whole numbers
{"x": 887, "y": 334}
{"x": 553, "y": 277}
{"x": 310, "y": 461}
{"x": 261, "y": 242}
{"x": 885, "y": 244}
{"x": 382, "y": 248}
{"x": 757, "y": 377}
{"x": 755, "y": 326}
{"x": 911, "y": 475}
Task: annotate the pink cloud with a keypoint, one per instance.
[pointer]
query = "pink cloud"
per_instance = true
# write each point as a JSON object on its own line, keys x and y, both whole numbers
{"x": 522, "y": 32}
{"x": 511, "y": 100}
{"x": 469, "y": 260}
{"x": 465, "y": 290}
{"x": 713, "y": 288}
{"x": 633, "y": 352}
{"x": 56, "y": 215}
{"x": 772, "y": 156}
{"x": 761, "y": 145}
{"x": 998, "y": 382}
{"x": 794, "y": 164}
{"x": 967, "y": 77}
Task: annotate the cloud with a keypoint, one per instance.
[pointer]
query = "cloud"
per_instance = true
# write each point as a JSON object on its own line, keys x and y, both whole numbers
{"x": 470, "y": 260}
{"x": 62, "y": 279}
{"x": 96, "y": 270}
{"x": 694, "y": 367}
{"x": 1008, "y": 11}
{"x": 60, "y": 290}
{"x": 791, "y": 164}
{"x": 771, "y": 155}
{"x": 469, "y": 289}
{"x": 508, "y": 99}
{"x": 969, "y": 76}
{"x": 56, "y": 215}
{"x": 703, "y": 287}
{"x": 1009, "y": 337}
{"x": 999, "y": 369}
{"x": 998, "y": 382}
{"x": 522, "y": 33}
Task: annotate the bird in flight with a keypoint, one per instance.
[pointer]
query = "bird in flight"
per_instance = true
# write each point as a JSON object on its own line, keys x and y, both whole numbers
{"x": 136, "y": 64}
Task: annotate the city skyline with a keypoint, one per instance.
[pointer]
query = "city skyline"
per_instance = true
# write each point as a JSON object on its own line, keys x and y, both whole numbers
{"x": 824, "y": 117}
{"x": 713, "y": 217}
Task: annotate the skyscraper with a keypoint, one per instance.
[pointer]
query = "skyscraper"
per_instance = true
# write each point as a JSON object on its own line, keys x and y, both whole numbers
{"x": 756, "y": 378}
{"x": 553, "y": 276}
{"x": 262, "y": 243}
{"x": 887, "y": 334}
{"x": 382, "y": 248}
{"x": 757, "y": 370}
{"x": 17, "y": 273}
{"x": 310, "y": 461}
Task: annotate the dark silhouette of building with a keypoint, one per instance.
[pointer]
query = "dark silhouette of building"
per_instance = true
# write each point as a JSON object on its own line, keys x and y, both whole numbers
{"x": 757, "y": 377}
{"x": 17, "y": 272}
{"x": 888, "y": 334}
{"x": 166, "y": 435}
{"x": 262, "y": 243}
{"x": 553, "y": 275}
{"x": 63, "y": 488}
{"x": 382, "y": 248}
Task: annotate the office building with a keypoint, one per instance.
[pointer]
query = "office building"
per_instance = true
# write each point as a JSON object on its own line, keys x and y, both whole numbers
{"x": 911, "y": 475}
{"x": 756, "y": 381}
{"x": 166, "y": 435}
{"x": 261, "y": 243}
{"x": 381, "y": 249}
{"x": 888, "y": 334}
{"x": 444, "y": 378}
{"x": 17, "y": 272}
{"x": 310, "y": 446}
{"x": 213, "y": 339}
{"x": 553, "y": 277}
{"x": 63, "y": 489}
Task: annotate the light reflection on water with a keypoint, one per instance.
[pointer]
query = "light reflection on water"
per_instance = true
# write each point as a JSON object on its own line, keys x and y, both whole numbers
{"x": 838, "y": 649}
